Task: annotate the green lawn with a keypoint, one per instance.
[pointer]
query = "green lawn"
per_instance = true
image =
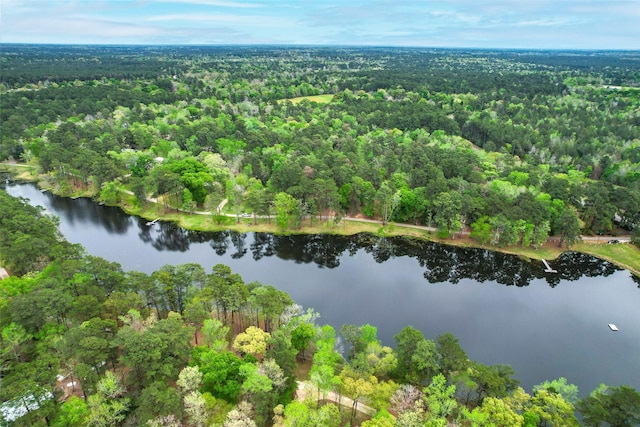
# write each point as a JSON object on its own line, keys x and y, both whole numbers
{"x": 320, "y": 99}
{"x": 622, "y": 254}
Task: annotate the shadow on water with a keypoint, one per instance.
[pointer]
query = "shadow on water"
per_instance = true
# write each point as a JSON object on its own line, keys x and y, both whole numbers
{"x": 83, "y": 210}
{"x": 442, "y": 263}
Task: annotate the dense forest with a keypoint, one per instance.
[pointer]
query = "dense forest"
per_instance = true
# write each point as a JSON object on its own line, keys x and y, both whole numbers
{"x": 513, "y": 146}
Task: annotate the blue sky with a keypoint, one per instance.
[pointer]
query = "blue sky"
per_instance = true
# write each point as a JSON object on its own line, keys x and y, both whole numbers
{"x": 543, "y": 24}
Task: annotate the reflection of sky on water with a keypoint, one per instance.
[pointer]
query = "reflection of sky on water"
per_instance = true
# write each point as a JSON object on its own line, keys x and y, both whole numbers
{"x": 543, "y": 332}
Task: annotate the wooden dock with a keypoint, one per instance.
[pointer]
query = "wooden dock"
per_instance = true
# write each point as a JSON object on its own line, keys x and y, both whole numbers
{"x": 548, "y": 268}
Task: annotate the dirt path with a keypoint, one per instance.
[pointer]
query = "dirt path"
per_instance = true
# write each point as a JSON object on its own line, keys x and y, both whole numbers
{"x": 307, "y": 389}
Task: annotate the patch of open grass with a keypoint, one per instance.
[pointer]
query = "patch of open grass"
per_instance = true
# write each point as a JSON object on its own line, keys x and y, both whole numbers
{"x": 320, "y": 99}
{"x": 20, "y": 171}
{"x": 625, "y": 255}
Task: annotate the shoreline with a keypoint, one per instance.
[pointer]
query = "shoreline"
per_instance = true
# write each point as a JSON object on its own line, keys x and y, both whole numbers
{"x": 203, "y": 221}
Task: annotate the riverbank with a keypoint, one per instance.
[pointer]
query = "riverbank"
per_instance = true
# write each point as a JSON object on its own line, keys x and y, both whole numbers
{"x": 624, "y": 255}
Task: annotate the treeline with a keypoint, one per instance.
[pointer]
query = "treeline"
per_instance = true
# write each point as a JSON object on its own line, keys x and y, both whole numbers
{"x": 514, "y": 146}
{"x": 85, "y": 343}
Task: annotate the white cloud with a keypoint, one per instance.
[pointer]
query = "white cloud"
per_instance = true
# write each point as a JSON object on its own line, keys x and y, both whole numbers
{"x": 462, "y": 23}
{"x": 220, "y": 18}
{"x": 231, "y": 4}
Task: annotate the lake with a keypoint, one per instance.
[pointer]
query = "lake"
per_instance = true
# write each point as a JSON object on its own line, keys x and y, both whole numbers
{"x": 502, "y": 308}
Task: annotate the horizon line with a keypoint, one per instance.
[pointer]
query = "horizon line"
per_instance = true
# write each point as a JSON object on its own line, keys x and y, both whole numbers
{"x": 312, "y": 45}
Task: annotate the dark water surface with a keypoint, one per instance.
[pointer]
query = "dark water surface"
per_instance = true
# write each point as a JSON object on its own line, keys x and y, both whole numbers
{"x": 502, "y": 308}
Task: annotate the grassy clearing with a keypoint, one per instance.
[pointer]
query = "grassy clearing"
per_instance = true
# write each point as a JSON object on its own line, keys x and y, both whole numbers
{"x": 621, "y": 254}
{"x": 320, "y": 99}
{"x": 20, "y": 171}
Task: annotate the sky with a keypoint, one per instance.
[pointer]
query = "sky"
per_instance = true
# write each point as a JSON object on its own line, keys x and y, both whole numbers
{"x": 525, "y": 24}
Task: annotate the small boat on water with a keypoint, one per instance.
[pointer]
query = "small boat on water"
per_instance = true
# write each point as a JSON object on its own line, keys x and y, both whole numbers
{"x": 613, "y": 327}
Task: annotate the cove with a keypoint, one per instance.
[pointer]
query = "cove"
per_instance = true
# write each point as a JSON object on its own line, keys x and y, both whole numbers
{"x": 503, "y": 309}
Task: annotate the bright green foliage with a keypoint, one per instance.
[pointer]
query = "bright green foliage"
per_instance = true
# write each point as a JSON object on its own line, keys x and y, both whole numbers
{"x": 380, "y": 419}
{"x": 220, "y": 371}
{"x": 302, "y": 335}
{"x": 481, "y": 230}
{"x": 286, "y": 210}
{"x": 229, "y": 148}
{"x": 499, "y": 413}
{"x": 303, "y": 414}
{"x": 13, "y": 338}
{"x": 439, "y": 398}
{"x": 111, "y": 192}
{"x": 215, "y": 334}
{"x": 517, "y": 154}
{"x": 252, "y": 341}
{"x": 381, "y": 396}
{"x": 73, "y": 413}
{"x": 553, "y": 409}
{"x": 215, "y": 409}
{"x": 568, "y": 391}
{"x": 109, "y": 406}
{"x": 193, "y": 176}
{"x": 326, "y": 362}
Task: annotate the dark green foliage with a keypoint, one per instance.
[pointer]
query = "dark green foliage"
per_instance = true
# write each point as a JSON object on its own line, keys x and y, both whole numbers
{"x": 27, "y": 236}
{"x": 282, "y": 351}
{"x": 156, "y": 353}
{"x": 158, "y": 399}
{"x": 615, "y": 406}
{"x": 453, "y": 358}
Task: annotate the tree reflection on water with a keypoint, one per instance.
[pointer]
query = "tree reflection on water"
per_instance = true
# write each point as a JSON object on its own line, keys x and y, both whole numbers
{"x": 442, "y": 263}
